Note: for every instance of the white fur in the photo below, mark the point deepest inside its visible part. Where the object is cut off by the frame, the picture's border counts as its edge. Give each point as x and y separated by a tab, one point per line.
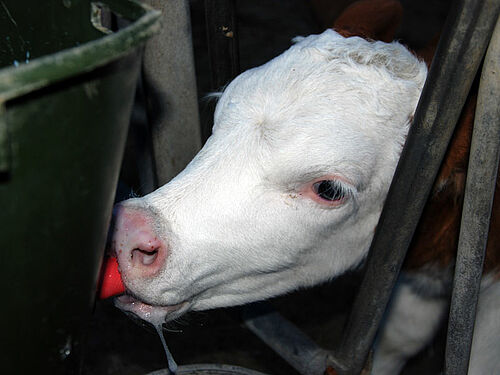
237	226
414	315
485	354
411	322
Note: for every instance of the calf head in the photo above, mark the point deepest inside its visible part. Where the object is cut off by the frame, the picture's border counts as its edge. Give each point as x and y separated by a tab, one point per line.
288	189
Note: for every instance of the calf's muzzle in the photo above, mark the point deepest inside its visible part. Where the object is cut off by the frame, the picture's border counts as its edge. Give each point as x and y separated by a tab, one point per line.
139	250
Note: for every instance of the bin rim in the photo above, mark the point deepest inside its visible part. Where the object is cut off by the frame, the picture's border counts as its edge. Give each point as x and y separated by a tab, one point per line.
45	70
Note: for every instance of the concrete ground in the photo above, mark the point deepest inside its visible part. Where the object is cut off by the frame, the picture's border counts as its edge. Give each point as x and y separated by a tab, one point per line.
117	345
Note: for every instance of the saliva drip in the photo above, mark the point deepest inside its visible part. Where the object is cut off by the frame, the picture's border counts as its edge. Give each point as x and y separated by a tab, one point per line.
172	366
154	316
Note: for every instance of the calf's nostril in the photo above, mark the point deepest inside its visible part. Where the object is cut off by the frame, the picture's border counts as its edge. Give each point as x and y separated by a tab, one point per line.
140	252
144	257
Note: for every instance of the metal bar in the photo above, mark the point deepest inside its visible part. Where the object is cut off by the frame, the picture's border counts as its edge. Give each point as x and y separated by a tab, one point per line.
285	339
478	201
222	41
5	151
223	53
170	90
469	27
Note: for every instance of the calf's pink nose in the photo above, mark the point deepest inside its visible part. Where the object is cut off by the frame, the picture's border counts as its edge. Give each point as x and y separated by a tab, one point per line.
139	251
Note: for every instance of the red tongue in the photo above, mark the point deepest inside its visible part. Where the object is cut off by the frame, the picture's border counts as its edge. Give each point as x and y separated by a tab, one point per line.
112	283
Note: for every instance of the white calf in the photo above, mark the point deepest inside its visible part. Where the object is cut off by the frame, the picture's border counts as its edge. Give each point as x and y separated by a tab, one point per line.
287	191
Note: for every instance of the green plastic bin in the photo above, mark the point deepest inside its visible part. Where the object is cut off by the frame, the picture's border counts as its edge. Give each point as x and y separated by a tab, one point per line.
66	91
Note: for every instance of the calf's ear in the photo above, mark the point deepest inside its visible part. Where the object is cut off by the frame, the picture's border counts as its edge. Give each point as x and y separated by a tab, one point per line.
370	19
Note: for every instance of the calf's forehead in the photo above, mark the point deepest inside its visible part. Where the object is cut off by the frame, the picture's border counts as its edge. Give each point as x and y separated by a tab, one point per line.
324	80
289	89
343	101
310	132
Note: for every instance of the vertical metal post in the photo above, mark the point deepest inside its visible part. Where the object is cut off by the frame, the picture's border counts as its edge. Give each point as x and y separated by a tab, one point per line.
170	90
479	191
5	152
222	37
223	53
455	64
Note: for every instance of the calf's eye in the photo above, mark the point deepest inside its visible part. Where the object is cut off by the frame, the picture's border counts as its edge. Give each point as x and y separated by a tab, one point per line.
329	190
